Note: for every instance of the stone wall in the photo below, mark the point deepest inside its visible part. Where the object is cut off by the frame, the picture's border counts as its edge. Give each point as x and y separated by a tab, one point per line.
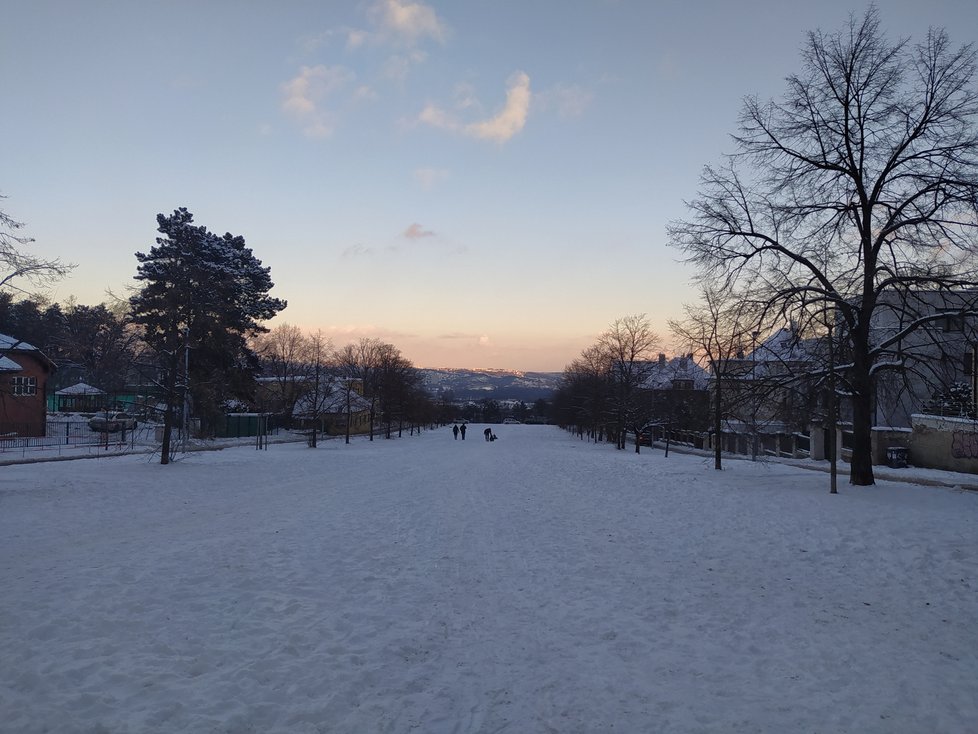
944	443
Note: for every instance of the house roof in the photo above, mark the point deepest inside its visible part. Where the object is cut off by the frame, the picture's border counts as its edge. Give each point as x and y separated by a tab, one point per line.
13	345
784	345
80	389
333	402
665	371
8	365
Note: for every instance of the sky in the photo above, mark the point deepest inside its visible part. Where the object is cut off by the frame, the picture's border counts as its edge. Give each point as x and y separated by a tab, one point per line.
482	184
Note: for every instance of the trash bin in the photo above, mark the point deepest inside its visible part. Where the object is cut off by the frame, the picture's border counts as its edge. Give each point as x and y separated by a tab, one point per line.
896	457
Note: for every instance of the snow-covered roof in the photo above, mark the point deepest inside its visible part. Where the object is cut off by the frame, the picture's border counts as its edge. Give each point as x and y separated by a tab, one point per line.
665	372
334	402
9	342
785	345
8	365
80	389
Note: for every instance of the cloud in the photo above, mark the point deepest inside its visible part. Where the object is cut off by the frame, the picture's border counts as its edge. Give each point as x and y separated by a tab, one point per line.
417	232
355	38
409	21
511	119
501	127
399	66
428	178
357	250
437	117
305	94
480	339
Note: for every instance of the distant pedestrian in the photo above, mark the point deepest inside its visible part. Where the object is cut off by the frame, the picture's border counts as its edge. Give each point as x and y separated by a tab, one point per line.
488	434
462	429
455	431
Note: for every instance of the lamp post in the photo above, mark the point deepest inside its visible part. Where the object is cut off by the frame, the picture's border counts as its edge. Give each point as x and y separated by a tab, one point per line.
185	420
753	385
974	379
833	465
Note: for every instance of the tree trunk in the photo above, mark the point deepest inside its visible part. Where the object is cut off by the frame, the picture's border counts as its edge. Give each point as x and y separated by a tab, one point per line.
171	384
861	468
167	431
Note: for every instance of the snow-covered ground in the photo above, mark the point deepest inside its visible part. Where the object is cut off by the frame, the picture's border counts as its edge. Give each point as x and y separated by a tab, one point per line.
532	584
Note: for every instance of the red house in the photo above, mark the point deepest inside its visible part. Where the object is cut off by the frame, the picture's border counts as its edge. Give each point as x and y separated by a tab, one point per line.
24	374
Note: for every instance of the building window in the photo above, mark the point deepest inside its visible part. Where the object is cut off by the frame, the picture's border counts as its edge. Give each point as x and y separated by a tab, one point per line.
23	386
952	321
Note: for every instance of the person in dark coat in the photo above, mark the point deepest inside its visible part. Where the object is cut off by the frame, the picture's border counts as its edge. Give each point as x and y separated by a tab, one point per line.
487	433
462	429
455	431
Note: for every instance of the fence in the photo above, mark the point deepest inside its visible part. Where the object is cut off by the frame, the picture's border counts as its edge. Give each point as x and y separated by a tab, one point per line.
76	433
788	445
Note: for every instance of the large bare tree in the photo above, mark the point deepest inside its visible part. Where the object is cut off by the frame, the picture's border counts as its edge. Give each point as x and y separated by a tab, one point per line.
854	192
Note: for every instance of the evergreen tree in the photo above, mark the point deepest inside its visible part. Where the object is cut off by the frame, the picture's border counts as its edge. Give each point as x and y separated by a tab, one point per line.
202	297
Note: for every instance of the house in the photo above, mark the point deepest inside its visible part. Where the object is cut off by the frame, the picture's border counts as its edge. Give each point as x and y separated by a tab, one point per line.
24	372
676	373
936	357
675	392
329	415
767	390
80	397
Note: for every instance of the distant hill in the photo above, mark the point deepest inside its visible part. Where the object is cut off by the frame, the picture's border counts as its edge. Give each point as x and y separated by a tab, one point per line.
478	385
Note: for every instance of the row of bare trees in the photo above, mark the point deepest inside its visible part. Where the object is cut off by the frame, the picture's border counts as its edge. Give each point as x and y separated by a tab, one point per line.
601	392
313	379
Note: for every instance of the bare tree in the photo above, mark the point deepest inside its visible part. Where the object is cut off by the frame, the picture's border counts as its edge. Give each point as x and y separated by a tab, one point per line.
396	380
630	345
360	363
285	354
581	402
872	156
716	330
318	395
16	264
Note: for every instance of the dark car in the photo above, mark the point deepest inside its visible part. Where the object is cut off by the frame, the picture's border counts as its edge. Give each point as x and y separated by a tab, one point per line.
112	422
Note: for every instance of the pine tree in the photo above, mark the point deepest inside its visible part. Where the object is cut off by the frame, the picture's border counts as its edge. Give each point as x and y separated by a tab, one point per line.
203	296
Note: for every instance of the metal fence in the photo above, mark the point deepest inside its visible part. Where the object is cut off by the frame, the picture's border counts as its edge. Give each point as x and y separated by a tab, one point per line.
77	433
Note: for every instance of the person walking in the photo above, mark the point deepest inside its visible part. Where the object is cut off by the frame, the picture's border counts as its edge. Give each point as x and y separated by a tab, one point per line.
455	431
462	430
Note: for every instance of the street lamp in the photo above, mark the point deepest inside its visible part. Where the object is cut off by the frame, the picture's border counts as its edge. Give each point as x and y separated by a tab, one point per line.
753	380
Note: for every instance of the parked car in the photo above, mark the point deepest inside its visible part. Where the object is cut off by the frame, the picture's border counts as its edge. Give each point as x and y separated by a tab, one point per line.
511	422
112	422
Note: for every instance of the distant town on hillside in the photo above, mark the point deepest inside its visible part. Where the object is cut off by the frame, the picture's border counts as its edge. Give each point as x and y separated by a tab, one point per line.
475	385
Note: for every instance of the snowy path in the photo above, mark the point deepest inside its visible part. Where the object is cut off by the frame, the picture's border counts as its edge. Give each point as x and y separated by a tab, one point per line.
535	584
